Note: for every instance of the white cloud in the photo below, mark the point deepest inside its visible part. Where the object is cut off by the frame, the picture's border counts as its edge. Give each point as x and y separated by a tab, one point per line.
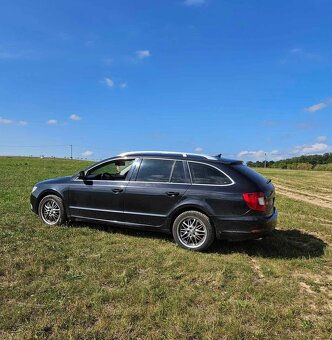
199	149
52	122
143	54
306	149
87	153
123	85
310	149
321	139
194	2
109	82
259	155
5	121
319	106
251	154
75	117
22	123
316	107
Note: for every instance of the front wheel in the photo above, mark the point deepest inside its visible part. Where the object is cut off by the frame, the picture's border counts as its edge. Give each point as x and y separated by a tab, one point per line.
51	210
192	230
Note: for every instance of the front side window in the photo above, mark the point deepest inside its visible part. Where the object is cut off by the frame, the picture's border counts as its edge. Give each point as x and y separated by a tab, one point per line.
205	174
115	170
155	170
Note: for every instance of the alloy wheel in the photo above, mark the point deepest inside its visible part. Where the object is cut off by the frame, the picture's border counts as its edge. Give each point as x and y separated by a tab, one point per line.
192	232
50	212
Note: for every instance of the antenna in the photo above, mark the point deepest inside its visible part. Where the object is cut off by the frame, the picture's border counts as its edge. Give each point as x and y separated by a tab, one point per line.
219	155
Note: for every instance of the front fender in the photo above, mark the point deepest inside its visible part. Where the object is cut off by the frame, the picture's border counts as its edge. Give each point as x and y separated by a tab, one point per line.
40	193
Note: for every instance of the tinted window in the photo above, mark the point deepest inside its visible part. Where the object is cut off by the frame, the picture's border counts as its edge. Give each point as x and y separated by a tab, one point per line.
115	170
178	174
155	170
251	174
205	174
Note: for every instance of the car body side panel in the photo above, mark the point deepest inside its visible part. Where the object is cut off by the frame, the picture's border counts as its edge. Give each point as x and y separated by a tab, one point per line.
151	203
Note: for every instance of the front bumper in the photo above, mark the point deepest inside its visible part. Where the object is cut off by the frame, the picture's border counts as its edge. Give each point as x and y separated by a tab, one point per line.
245	227
34	203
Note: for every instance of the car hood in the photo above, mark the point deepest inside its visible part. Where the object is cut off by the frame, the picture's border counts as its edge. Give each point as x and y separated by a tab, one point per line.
58	180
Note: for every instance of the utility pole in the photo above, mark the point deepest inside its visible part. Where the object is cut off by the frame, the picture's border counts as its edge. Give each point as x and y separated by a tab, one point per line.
71	151
265	161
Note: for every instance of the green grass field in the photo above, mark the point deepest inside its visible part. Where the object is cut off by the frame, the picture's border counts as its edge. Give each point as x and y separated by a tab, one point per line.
85	281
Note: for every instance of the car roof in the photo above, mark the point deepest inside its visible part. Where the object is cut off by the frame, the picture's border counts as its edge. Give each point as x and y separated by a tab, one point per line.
179	155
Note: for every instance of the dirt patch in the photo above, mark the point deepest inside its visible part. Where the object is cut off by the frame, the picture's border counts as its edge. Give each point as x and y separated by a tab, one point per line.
322	282
304	197
306	288
257	269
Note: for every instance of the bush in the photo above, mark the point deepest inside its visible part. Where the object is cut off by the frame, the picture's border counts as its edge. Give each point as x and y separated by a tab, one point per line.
323	167
304	166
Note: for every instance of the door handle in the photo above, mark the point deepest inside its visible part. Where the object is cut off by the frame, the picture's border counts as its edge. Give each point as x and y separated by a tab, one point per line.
117	190
172	193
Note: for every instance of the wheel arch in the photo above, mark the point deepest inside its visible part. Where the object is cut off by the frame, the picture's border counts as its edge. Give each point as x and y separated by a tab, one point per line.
51	192
187	207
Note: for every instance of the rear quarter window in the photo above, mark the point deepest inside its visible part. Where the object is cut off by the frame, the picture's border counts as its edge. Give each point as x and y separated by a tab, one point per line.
251	174
206	174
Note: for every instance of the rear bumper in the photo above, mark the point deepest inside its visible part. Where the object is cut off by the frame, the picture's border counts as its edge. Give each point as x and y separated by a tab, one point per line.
245	227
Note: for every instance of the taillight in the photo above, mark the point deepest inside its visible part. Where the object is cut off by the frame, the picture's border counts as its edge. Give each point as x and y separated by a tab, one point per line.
255	200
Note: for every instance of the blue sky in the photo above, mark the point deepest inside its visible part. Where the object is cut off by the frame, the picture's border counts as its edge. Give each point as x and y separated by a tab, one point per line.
242	78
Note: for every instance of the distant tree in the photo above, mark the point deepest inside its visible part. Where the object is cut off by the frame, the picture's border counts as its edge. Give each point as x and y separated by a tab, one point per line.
305	162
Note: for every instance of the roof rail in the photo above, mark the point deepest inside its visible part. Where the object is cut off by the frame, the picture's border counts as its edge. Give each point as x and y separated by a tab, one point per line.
183	154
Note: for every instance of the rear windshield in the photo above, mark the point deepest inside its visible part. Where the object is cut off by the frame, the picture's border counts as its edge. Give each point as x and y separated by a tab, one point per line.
251	174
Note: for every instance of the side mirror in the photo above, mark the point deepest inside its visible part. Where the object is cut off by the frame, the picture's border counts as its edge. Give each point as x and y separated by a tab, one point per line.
81	175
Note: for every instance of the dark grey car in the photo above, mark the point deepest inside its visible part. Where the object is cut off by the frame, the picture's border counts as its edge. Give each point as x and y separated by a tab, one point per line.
197	198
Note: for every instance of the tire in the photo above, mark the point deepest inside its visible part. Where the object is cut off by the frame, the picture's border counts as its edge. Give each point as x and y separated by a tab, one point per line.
192	230
51	210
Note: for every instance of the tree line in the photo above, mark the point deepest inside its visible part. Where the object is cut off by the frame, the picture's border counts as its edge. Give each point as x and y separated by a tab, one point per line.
309	162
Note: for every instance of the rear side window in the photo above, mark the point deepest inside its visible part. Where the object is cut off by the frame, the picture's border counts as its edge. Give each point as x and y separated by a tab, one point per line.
206	174
178	174
155	170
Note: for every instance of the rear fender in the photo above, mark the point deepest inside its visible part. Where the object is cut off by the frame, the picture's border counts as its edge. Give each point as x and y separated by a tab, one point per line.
186	206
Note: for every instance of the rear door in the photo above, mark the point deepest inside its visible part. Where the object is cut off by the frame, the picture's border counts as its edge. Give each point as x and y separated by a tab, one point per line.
157	187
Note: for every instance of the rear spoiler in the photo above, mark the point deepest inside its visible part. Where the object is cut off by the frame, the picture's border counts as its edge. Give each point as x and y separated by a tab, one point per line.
231	161
227	160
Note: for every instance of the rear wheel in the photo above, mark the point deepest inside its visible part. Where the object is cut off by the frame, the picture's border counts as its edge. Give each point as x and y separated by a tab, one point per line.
193	230
51	210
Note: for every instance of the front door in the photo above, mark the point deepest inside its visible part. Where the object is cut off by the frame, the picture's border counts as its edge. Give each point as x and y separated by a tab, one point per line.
100	195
